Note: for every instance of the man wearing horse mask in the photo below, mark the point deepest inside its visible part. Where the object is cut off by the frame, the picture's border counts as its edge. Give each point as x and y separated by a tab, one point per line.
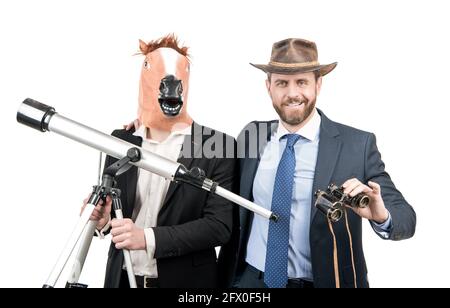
170	229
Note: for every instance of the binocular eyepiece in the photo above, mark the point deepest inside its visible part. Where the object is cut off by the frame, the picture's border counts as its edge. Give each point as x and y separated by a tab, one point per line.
331	202
332	209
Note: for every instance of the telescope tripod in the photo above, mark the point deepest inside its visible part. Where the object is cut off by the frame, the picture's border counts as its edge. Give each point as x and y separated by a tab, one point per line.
85	228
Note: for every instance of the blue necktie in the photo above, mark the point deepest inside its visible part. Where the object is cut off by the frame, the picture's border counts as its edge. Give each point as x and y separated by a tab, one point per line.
275	274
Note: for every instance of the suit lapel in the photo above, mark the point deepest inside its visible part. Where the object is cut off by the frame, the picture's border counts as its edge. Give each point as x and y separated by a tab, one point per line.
248	172
329	149
191	148
250	165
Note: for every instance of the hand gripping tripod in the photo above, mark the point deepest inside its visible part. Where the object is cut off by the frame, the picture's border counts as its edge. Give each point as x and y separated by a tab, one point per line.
85	229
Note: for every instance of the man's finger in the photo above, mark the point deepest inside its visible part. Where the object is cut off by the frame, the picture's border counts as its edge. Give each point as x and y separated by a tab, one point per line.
95	217
362	212
375	187
360	189
116	223
116	231
349	181
128	126
100	209
123	244
120	238
85	201
351	185
97	214
82	209
119	246
120	230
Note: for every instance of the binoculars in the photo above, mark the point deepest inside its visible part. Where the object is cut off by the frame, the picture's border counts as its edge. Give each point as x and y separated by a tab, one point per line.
332	201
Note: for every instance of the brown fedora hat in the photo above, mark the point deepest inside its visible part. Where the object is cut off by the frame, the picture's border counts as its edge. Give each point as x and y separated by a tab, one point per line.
293	56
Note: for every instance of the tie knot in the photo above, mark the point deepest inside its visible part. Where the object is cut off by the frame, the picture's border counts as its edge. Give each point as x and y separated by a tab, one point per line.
292	139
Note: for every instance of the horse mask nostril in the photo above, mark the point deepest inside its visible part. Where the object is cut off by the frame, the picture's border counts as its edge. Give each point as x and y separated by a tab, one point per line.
171	86
163	88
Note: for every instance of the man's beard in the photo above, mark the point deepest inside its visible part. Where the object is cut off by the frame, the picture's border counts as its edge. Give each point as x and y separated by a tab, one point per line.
298	117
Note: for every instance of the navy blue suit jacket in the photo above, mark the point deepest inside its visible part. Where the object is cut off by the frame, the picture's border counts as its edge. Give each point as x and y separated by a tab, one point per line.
344	153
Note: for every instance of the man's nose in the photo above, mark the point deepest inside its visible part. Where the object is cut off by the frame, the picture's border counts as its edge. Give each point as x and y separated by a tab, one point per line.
293	91
170	86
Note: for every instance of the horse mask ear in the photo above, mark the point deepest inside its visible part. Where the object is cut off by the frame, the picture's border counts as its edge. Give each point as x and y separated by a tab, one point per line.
143	47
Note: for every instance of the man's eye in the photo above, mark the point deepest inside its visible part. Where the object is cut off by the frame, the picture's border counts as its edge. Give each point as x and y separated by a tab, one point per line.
281	83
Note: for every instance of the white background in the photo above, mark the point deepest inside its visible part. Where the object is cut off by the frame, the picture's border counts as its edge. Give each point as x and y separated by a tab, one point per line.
77	56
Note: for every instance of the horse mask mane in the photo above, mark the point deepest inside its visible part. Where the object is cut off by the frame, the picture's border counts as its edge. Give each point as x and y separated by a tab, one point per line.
164	85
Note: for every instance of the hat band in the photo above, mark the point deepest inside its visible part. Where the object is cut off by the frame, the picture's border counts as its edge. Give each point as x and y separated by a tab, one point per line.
303	64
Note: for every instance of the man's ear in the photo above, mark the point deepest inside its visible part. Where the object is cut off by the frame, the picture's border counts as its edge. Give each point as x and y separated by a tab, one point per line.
318	85
268	85
143	47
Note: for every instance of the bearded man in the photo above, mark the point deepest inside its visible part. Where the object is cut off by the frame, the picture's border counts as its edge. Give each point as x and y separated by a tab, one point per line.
284	162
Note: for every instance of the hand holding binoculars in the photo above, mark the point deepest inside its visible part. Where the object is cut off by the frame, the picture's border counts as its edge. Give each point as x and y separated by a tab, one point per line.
332	201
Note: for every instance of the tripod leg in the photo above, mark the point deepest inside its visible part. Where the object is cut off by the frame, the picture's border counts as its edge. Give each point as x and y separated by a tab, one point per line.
70	246
126	253
86	240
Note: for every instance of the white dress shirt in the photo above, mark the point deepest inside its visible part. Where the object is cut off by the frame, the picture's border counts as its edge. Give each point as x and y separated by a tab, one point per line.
306	149
150	195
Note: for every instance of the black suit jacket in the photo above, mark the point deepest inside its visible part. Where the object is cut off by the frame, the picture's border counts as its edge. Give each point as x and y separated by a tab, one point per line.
344	153
191	221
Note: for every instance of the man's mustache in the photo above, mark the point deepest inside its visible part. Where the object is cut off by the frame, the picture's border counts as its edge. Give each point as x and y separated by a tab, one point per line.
294	101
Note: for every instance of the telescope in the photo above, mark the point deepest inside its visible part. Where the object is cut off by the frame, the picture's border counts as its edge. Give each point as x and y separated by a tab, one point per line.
44	118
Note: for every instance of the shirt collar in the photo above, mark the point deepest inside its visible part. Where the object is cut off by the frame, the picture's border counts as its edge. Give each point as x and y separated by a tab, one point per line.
142	132
309	131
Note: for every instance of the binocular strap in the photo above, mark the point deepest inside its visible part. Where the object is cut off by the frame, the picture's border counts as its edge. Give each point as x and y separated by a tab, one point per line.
335	251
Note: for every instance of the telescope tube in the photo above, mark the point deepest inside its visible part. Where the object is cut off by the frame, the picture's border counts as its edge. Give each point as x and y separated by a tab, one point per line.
44	118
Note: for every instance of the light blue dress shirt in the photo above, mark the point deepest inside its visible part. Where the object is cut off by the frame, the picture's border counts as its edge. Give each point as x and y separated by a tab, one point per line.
306	150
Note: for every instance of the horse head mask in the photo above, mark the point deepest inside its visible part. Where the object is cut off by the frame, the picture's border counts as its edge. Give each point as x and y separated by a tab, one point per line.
164	84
